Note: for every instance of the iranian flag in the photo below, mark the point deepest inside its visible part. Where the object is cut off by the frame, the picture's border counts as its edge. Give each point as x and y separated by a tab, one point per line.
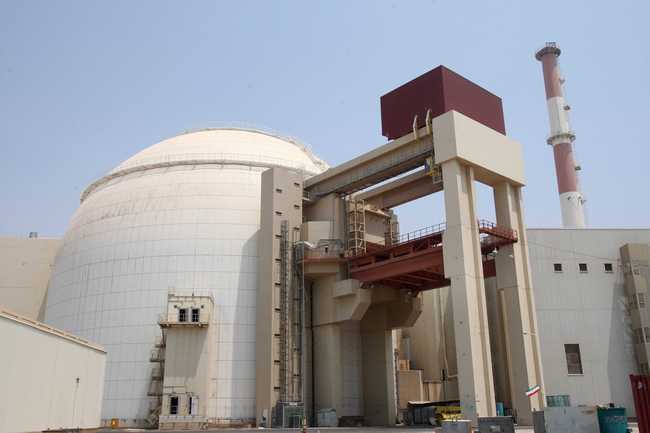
533	390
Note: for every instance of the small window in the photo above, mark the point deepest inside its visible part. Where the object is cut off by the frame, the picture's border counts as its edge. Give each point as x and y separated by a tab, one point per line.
638	336
173	405
278	213
278	190
182	315
641	298
582	267
646	330
557	267
195	315
573	360
296	184
295	206
609	268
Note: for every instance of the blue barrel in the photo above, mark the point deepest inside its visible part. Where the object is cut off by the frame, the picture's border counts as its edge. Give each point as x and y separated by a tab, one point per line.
612	420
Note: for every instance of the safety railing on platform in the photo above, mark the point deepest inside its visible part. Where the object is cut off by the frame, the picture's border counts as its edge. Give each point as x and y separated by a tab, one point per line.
496	230
420	233
492	233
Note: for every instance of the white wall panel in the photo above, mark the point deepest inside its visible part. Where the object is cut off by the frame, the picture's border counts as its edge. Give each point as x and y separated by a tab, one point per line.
588	309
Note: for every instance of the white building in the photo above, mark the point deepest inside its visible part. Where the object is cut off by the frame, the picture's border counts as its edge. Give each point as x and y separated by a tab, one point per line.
182	214
585	317
25	268
50	379
583	312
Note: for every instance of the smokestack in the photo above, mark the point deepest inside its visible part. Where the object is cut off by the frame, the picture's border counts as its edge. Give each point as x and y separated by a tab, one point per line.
561	138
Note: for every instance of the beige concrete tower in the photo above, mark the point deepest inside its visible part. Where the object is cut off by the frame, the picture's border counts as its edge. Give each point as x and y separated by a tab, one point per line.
469	151
360	279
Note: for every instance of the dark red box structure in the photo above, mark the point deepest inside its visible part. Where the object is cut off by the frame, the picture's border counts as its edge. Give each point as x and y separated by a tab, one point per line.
641	393
438	90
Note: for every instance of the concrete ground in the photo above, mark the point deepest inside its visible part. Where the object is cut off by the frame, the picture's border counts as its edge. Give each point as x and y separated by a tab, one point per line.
397	429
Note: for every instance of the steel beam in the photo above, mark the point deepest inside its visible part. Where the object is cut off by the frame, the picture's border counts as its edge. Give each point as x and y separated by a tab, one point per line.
403	190
392	159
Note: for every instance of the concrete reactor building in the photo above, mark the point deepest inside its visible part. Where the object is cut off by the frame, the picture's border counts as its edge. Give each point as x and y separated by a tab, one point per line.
230	277
181	217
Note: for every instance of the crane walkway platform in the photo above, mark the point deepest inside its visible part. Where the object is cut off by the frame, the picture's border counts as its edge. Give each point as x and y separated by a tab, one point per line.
414	260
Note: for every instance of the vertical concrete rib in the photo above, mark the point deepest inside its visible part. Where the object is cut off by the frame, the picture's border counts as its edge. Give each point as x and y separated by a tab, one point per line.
463	266
514	285
561	138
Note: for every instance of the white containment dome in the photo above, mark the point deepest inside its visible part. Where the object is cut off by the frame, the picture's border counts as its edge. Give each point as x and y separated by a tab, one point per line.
181	216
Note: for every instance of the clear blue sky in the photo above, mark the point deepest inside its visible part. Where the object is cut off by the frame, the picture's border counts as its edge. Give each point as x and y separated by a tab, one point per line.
84	85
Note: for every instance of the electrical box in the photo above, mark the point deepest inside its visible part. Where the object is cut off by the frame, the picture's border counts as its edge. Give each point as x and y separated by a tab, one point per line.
457	426
496	424
581	419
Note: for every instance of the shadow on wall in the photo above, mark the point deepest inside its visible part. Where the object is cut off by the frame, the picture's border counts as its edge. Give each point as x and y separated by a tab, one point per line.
620	348
235	385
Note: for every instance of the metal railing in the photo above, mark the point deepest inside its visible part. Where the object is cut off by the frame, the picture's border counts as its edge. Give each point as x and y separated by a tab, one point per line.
420	233
164	319
492	232
496	230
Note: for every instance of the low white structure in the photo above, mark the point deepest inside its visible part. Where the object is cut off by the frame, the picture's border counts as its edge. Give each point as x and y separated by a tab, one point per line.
26	265
50	379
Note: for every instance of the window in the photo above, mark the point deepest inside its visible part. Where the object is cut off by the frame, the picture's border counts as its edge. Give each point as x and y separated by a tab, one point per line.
638	336
278	190
182	315
644	368
195	315
278	213
190	400
609	268
573	361
173	405
647	334
582	267
641	298
557	267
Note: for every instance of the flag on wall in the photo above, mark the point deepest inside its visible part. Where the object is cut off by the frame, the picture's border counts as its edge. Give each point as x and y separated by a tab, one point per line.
533	390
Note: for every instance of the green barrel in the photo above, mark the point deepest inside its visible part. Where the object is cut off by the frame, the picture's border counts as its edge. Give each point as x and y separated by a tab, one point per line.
612	420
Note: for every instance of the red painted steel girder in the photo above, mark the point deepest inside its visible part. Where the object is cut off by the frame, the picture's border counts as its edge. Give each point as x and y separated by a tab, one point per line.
416	262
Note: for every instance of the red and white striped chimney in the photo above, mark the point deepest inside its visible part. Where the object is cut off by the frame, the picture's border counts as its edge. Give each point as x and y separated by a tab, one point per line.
561	138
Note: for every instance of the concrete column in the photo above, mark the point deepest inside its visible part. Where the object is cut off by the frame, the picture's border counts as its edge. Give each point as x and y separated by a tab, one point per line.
378	368
515	295
328	376
463	266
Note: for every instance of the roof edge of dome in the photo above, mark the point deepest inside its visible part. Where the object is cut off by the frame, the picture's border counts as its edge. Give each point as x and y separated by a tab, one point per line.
232	126
119	172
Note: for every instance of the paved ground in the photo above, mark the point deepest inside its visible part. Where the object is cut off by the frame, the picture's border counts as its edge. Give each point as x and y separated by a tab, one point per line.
399	429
